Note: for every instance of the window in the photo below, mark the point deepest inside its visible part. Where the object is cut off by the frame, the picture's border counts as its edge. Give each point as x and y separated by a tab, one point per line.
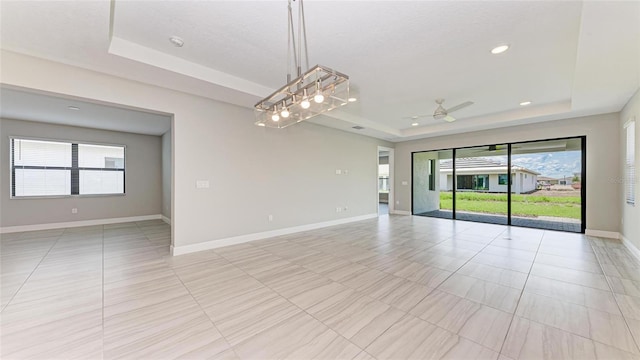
472	182
502	179
56	168
630	166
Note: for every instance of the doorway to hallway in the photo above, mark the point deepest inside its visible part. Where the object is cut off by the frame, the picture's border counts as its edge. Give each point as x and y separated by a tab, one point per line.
385	181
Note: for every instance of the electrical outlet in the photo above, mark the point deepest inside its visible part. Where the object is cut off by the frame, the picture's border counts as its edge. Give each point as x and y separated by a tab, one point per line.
338	209
270	218
405	183
74	210
345	208
338	172
202	184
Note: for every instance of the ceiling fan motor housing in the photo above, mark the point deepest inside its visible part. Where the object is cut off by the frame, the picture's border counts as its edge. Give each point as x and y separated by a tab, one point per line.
440	113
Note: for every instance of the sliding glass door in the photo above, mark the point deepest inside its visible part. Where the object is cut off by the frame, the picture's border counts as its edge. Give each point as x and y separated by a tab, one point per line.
547	191
537	184
480	187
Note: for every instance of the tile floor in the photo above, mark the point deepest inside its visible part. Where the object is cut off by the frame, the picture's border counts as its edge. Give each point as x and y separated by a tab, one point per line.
397	287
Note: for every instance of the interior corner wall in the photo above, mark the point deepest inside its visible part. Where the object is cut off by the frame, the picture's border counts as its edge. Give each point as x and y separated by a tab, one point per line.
603	160
166	174
630	214
253	172
142	178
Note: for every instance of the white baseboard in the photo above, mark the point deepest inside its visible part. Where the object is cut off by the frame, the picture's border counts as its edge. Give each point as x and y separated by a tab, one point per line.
61	225
400	212
630	246
213	244
603	234
166	219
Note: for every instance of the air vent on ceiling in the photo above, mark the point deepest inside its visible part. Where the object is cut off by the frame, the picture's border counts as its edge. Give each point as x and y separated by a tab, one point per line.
358	127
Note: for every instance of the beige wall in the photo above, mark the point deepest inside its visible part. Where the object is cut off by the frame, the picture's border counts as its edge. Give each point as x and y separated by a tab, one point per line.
603	165
143	178
253	172
630	228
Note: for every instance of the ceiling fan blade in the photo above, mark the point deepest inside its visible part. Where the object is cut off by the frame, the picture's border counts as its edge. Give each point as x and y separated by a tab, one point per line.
449	118
461	106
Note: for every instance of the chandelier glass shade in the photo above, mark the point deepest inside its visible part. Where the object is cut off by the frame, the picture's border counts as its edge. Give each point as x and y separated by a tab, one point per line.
316	91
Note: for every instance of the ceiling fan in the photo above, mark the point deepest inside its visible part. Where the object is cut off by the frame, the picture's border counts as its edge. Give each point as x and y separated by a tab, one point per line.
442	113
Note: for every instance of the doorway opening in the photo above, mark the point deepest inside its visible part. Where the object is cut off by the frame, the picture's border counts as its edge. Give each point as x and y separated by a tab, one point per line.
385	181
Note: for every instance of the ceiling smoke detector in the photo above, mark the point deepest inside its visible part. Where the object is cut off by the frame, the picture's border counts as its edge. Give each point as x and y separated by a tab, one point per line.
176	41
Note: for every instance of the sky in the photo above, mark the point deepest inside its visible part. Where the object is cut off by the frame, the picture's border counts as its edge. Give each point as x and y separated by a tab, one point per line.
556	165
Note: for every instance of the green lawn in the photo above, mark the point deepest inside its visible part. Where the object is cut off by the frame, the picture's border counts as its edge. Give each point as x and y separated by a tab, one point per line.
522	205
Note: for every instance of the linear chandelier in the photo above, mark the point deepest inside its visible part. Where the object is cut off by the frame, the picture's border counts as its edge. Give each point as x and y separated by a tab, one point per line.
318	90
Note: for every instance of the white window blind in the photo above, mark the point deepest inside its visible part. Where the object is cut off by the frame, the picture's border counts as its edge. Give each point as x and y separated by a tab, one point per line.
630	167
98	169
57	168
41	168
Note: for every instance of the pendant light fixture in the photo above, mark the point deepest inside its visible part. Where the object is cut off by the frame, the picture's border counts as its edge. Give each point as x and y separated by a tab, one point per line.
318	90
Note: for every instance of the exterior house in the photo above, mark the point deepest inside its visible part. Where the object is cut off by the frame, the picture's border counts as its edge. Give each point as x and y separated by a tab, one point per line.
545	180
479	174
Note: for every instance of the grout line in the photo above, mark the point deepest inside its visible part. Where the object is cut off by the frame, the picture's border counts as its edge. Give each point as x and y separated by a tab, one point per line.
190	294
460	267
33	271
406	313
606	277
286	298
522	292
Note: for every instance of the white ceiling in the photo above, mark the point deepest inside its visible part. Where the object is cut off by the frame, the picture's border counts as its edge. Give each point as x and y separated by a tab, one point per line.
30	106
568	58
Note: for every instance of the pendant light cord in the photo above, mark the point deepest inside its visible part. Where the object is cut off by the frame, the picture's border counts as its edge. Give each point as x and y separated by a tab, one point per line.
304	34
291	45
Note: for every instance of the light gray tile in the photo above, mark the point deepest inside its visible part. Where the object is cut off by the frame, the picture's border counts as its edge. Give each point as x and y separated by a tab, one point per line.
569	275
493	274
476	322
531	340
497	296
577	294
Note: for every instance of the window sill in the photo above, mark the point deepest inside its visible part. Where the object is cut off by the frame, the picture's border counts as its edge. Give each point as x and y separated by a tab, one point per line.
62	196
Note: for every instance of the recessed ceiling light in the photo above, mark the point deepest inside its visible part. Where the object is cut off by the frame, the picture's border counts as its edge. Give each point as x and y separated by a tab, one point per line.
415	124
525	103
414	117
176	41
353	99
261	124
74	108
499	49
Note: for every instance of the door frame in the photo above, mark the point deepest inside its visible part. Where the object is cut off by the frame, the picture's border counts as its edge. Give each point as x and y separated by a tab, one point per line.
391	201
